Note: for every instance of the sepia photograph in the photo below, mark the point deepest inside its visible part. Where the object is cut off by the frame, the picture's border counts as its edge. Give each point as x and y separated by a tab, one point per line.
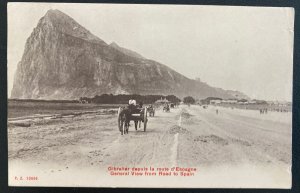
151	96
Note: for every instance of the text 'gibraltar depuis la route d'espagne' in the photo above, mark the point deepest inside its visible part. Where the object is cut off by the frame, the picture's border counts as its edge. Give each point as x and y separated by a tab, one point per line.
151	171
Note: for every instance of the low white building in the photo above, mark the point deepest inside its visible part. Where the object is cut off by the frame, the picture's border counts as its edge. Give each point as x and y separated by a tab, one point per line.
252	102
230	101
215	101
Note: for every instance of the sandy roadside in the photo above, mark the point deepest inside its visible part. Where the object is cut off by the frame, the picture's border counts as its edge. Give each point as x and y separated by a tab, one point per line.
230	149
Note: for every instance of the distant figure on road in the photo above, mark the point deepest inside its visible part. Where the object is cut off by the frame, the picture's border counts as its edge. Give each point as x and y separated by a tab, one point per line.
166	108
217	111
263	111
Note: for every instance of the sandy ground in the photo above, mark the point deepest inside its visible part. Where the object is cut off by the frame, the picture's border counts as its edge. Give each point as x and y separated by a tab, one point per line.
234	148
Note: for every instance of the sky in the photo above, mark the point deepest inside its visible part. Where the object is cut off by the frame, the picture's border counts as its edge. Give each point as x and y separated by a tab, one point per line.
249	49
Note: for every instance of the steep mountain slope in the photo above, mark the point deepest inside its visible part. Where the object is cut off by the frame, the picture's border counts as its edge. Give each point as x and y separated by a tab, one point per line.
63	60
126	51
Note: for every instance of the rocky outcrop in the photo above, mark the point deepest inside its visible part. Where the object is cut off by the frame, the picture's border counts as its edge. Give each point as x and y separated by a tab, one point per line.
63	60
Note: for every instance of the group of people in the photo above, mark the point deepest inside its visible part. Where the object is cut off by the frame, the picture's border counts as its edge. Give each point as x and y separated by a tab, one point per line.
263	111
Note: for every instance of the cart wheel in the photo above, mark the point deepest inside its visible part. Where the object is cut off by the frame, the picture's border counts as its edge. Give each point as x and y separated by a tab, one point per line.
119	110
120	124
145	119
119	120
123	129
126	128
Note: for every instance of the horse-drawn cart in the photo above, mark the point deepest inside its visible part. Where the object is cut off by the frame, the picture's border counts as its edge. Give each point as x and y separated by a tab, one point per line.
166	108
125	115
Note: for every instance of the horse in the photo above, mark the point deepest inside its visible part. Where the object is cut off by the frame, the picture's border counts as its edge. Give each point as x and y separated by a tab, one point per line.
124	120
125	116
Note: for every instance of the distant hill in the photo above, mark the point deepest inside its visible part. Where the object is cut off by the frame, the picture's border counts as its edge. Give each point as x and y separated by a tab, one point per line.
63	60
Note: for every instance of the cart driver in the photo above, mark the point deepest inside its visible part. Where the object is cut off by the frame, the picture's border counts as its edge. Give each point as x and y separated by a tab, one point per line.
132	106
132	102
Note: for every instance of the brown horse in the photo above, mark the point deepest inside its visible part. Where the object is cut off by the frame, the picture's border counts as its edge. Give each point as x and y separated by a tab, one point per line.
125	117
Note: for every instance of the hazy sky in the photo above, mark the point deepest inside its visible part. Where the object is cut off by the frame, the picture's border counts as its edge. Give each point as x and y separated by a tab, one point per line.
249	49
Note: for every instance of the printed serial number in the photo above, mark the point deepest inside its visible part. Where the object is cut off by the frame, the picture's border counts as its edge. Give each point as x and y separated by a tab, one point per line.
26	178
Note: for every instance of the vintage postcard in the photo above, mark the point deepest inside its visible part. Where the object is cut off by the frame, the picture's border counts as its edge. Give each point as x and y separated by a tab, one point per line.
126	95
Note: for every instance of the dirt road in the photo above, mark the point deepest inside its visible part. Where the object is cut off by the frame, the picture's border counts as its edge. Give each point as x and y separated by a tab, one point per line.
185	137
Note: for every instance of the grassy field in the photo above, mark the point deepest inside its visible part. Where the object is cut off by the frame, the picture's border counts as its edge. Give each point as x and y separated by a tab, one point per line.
28	108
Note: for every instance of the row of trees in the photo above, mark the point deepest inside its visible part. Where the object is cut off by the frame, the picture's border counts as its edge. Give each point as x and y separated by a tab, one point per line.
123	99
189	100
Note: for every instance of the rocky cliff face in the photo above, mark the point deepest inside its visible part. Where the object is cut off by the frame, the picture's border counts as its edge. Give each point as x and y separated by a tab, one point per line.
63	60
